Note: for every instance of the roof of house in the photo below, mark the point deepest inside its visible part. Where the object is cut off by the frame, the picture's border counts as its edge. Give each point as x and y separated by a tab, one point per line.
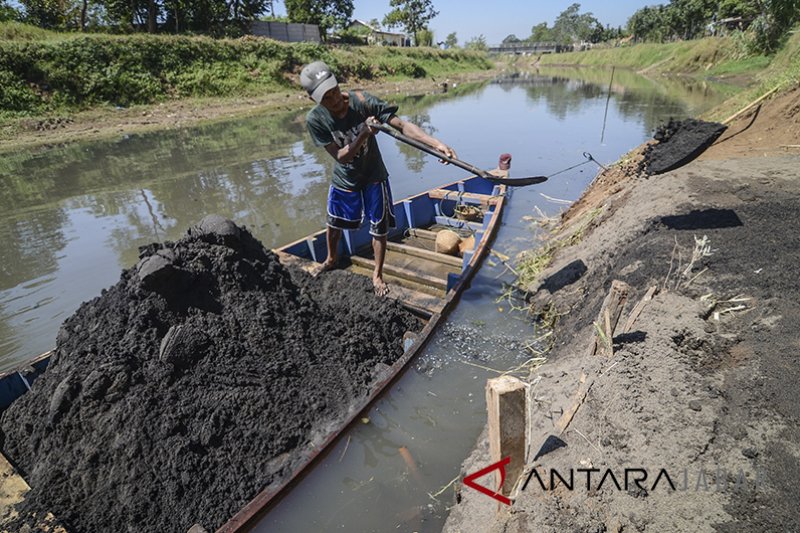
375	30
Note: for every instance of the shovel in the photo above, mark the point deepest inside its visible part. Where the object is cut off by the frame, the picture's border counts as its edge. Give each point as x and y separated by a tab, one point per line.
511	182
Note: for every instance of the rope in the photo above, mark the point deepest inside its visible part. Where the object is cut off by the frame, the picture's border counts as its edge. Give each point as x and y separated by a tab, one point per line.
589	159
589	156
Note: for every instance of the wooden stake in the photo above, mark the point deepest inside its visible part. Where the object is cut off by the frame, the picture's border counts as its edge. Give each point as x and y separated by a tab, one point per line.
506	399
609	315
578	399
637	310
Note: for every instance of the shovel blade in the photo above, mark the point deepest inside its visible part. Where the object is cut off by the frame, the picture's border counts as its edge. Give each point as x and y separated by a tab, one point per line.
517	182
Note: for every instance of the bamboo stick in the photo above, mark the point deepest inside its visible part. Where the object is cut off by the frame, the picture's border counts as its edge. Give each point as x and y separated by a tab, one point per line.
750	105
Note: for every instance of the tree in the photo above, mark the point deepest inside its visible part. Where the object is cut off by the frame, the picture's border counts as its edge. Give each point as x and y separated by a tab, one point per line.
451	41
411	15
511	39
7	12
54	14
646	24
327	14
476	43
571	25
541	33
772	26
738	8
424	37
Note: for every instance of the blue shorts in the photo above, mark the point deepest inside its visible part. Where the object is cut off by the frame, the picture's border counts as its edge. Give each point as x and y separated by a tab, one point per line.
347	209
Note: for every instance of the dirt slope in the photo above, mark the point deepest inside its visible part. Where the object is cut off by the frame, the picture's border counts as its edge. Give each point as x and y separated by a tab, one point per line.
703	385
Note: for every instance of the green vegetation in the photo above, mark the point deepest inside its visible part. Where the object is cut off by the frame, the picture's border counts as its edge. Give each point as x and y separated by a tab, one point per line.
531	263
690	19
476	43
411	15
324	13
42	71
17	31
711	56
783	72
571	26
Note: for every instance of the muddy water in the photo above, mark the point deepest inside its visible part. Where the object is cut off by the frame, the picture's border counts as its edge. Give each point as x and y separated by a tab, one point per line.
71	218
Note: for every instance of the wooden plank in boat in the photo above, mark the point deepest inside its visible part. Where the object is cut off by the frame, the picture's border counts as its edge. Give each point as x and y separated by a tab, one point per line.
287	259
420	265
417	242
464	197
422	233
419	277
12	491
425	254
457	223
416	300
394	280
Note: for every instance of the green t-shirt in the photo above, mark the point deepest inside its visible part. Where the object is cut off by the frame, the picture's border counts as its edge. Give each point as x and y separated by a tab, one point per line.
367	167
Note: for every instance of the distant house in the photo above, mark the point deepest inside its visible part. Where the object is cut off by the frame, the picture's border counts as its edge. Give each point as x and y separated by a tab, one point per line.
724	26
376	36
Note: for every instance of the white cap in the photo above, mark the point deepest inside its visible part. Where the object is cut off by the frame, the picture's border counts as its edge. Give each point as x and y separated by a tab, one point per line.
317	79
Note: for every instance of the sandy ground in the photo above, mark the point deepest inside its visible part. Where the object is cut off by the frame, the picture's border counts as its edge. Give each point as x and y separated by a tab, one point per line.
104	122
702	385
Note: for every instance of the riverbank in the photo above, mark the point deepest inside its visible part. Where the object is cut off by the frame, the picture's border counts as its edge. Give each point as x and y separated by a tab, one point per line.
700	385
718	59
60	87
714	59
105	122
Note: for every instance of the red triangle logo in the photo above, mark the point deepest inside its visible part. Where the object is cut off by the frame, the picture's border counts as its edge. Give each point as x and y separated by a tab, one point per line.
500	465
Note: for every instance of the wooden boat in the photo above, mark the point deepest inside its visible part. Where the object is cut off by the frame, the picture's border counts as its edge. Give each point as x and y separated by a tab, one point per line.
421	278
425	281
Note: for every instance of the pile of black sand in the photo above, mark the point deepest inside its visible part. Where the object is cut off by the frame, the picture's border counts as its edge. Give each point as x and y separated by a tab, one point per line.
679	141
194	383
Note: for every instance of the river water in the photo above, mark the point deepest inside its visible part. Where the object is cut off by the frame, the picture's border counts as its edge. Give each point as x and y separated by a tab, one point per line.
72	217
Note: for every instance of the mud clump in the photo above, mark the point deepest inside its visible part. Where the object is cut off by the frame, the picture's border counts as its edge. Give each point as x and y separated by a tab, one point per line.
679	141
195	382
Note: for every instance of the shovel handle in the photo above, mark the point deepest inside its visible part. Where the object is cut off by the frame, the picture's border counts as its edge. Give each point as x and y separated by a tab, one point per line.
425	148
510	182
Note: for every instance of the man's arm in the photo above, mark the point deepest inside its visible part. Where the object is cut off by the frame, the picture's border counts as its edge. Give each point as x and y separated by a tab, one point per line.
348	152
415	132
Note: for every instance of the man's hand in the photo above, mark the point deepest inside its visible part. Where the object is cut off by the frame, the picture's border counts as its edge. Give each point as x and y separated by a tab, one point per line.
446	150
369	124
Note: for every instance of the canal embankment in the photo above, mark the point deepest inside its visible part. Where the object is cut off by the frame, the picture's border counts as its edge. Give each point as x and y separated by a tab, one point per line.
63	87
697	379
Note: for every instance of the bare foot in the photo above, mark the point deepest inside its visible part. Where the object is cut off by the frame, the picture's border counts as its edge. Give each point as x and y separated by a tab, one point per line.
380	287
324	267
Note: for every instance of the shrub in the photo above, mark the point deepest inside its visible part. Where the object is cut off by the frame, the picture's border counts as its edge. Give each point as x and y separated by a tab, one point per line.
81	70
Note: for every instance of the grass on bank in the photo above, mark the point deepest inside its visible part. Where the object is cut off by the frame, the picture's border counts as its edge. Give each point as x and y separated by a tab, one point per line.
17	31
783	72
712	57
709	57
42	71
532	263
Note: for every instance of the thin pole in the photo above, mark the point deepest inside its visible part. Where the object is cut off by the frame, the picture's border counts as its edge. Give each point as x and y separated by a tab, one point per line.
605	115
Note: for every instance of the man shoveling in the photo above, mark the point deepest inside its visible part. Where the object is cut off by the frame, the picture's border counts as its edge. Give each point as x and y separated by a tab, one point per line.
359	189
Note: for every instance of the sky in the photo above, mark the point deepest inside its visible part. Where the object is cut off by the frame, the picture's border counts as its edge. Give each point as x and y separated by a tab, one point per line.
496	19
